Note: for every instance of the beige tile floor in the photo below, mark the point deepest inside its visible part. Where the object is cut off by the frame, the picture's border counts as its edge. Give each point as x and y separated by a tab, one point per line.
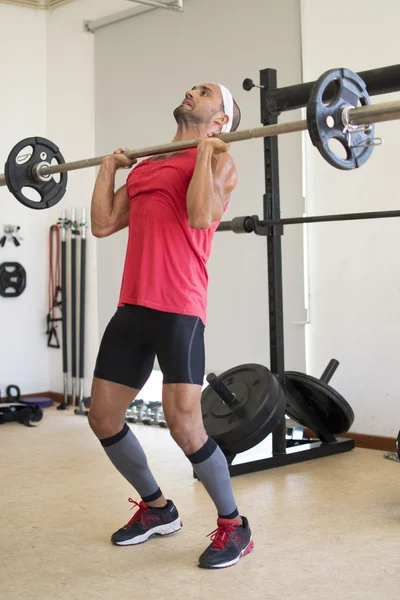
329	528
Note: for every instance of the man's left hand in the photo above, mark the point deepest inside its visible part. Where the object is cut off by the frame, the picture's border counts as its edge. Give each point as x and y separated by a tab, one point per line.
217	145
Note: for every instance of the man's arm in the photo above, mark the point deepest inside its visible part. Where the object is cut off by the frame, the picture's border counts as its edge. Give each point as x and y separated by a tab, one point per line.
213	181
109	210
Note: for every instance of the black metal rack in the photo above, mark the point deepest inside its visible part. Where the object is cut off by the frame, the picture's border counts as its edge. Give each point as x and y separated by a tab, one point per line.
273	102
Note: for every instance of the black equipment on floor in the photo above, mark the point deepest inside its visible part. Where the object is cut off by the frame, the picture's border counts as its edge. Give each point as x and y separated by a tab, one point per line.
22	413
16	410
317	406
242	406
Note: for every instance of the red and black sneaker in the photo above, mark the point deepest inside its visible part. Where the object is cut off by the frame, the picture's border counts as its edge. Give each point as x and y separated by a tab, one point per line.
146	522
230	541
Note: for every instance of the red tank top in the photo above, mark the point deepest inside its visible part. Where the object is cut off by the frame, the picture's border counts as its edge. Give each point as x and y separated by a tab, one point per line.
165	264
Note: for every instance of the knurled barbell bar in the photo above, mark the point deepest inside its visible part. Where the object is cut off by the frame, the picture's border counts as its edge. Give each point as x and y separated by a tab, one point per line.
340	118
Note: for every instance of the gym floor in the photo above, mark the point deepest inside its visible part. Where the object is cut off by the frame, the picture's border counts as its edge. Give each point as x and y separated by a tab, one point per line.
327	528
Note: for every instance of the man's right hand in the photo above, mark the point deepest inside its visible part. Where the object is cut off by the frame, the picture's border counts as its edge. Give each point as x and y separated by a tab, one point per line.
120	160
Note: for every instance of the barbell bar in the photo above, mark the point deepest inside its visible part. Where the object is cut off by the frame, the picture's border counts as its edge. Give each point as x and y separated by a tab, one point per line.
236	136
363	115
348	117
250	224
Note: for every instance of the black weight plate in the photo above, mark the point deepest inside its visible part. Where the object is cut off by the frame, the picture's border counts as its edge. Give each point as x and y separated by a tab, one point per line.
332	92
37	414
331	407
398	445
19	174
12	279
264	429
261	404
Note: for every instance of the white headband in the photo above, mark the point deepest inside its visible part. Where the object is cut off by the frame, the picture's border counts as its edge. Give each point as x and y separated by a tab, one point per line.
227	99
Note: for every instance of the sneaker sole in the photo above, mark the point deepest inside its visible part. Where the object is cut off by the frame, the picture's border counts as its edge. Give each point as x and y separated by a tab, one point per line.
230	563
166	529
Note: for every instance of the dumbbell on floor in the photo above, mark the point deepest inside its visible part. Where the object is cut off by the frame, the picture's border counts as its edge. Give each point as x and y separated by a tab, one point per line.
149	417
136	411
150	413
159	417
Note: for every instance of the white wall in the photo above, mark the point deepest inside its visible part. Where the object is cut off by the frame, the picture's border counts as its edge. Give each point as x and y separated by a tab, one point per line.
155	57
23	103
52	96
355	266
70	120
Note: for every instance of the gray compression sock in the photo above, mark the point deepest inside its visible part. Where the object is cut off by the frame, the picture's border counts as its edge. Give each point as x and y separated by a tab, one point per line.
211	467
127	455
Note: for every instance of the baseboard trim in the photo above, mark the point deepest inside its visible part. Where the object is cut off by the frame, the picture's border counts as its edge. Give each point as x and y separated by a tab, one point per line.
59	398
55	396
373	442
363	440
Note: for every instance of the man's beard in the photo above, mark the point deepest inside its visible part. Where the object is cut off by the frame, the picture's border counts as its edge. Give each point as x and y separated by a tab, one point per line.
183	116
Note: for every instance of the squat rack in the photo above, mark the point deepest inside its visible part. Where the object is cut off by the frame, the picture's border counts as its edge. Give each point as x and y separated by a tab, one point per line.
274	101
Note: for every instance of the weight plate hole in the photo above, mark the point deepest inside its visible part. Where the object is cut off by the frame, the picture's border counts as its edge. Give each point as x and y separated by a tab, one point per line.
331	93
330	121
31	194
24	155
338	148
56	176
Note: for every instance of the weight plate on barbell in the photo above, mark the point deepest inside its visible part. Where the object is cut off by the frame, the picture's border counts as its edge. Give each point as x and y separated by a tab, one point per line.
327	403
19	173
12	279
332	92
260	408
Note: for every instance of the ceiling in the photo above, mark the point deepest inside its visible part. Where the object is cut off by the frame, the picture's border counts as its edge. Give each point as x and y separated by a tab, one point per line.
36	3
91	10
96	8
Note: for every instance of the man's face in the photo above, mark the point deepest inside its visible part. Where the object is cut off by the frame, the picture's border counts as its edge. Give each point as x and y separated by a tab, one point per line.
200	104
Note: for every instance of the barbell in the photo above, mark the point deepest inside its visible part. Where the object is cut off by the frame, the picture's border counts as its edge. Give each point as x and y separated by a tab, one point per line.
347	117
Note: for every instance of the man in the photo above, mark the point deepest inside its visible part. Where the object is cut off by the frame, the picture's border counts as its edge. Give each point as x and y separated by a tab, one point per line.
172	204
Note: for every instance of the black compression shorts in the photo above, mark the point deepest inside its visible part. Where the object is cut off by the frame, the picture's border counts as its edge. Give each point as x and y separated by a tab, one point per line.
136	335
